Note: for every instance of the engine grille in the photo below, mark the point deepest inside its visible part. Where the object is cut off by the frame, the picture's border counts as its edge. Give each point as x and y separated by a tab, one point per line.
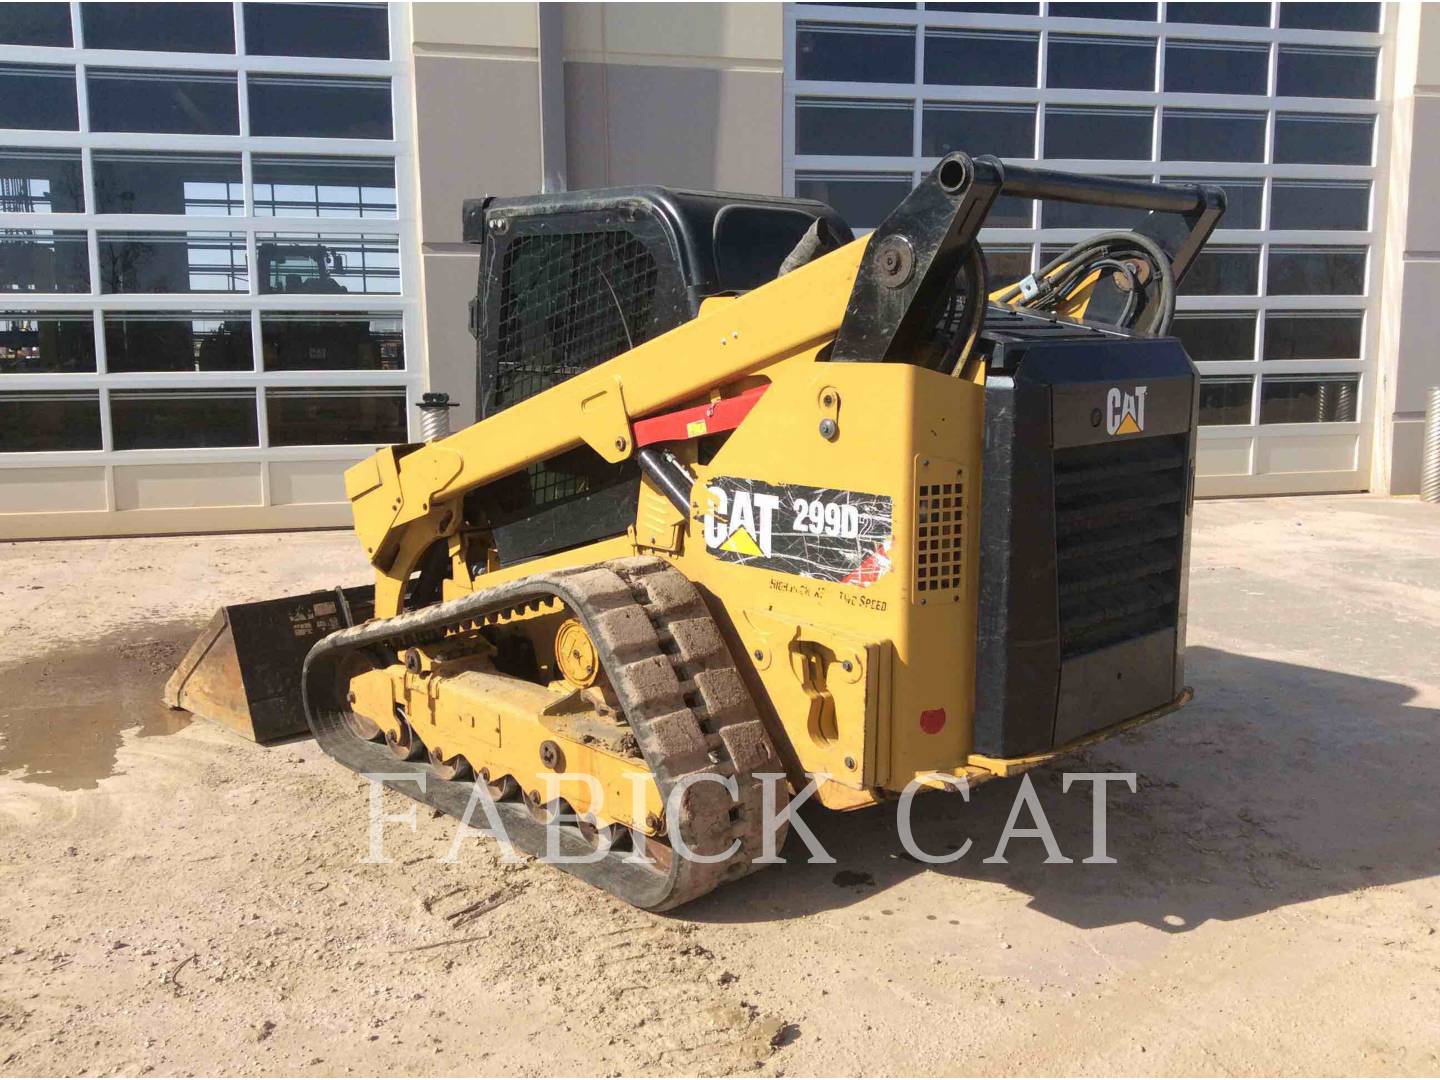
569	301
939	535
1120	517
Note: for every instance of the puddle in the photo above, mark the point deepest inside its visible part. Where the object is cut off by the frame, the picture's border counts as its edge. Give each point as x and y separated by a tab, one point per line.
64	715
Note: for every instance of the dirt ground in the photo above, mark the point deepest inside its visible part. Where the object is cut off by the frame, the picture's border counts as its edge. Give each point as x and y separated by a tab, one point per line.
176	900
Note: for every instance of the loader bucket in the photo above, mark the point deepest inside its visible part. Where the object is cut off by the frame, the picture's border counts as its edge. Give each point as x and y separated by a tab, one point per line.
243	670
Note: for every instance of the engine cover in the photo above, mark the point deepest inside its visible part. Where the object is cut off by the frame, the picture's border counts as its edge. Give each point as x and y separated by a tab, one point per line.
1085	523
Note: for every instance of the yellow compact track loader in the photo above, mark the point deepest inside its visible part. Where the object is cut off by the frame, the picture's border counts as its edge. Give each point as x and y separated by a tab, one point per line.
751	497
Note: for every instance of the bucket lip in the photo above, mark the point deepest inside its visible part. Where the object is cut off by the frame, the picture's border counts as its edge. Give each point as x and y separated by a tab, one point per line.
243	668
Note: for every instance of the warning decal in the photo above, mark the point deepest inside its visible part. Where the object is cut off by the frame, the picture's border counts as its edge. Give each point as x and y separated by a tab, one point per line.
828	534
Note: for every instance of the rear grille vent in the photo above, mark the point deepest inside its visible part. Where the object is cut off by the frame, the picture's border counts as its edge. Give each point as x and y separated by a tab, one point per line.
1119	517
939	535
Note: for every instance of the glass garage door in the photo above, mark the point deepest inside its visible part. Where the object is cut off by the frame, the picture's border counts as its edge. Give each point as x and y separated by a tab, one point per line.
206	268
1277	103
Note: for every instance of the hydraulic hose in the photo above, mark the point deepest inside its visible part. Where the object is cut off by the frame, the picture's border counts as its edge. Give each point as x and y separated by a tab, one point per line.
977	300
1105	251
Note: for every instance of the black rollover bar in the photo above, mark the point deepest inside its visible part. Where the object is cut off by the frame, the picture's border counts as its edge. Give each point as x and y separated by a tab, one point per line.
907	275
1027	183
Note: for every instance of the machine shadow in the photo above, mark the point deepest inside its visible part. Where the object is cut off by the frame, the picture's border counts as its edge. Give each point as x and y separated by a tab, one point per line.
1279	784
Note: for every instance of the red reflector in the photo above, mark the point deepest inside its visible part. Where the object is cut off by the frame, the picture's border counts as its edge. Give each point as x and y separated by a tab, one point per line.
932	720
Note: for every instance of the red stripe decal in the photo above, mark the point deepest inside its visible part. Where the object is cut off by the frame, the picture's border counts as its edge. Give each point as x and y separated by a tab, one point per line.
709	419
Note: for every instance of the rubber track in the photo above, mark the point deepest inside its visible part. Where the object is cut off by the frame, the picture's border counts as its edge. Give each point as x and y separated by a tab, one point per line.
686	704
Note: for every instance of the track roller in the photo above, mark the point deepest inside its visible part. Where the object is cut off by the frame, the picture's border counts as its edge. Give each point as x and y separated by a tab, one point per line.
455	768
401	740
503	788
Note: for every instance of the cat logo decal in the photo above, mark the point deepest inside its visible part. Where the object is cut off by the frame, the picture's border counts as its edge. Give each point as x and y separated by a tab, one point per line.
1125	413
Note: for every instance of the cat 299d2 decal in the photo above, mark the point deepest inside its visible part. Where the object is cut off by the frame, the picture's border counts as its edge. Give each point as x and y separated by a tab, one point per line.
828	534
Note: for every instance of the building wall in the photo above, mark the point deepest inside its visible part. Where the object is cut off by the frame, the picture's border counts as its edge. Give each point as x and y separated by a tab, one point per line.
482	102
154	377
1287	106
477	124
488	101
1410	314
686	95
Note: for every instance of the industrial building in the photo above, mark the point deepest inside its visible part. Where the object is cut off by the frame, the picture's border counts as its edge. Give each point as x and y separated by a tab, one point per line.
231	253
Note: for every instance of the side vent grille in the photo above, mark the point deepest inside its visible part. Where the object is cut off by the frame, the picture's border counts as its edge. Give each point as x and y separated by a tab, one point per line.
1120	519
939	528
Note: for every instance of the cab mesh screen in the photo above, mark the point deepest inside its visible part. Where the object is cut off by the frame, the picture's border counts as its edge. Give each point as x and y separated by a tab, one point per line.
568	302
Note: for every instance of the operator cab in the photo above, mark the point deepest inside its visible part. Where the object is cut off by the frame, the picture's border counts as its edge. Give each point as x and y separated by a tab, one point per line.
570	280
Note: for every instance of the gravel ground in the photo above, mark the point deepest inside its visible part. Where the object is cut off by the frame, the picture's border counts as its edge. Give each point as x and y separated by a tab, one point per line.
176	900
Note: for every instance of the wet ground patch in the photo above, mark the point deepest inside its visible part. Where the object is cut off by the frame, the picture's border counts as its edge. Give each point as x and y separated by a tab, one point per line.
64	714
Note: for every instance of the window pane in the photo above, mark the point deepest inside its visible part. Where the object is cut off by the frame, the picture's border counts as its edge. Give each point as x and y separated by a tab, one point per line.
320	107
1205	135
1313	139
303	264
43	261
169	27
1091	132
1100	63
981	58
332	341
178	341
1193	67
1305	399
987	9
1237	14
133	262
1008	212
1006	265
35	24
1220	271
1003	130
324	187
854	53
1320	204
862	200
41	182
1064	9
1313	335
194	184
1312	71
360	31
38	98
1216	335
1331	16
1316	271
38	420
164	102
1225	399
169	419
39	343
319	416
841	126
1242	198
